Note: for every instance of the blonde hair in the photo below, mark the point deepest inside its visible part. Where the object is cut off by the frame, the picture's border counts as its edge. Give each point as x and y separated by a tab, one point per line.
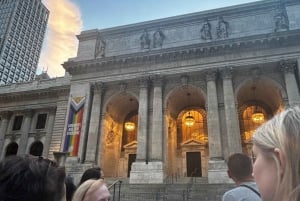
86	188
283	132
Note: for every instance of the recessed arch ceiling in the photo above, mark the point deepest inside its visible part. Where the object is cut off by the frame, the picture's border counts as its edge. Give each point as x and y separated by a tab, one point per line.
184	97
120	105
262	90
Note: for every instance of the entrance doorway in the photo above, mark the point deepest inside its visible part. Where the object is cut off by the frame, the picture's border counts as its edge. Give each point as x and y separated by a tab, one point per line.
131	159
193	164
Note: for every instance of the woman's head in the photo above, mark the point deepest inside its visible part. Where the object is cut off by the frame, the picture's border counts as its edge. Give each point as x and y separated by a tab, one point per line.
92	190
276	145
91	173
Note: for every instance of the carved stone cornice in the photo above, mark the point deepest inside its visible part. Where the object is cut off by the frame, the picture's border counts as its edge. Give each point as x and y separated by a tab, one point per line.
35	94
200	50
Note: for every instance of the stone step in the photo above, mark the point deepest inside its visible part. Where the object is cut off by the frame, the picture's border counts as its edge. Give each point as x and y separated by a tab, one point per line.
171	192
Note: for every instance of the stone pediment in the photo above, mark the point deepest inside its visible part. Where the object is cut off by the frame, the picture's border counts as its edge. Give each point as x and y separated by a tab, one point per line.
131	145
191	142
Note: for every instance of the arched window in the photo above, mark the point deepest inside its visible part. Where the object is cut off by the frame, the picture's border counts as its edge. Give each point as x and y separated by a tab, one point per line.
36	148
11	149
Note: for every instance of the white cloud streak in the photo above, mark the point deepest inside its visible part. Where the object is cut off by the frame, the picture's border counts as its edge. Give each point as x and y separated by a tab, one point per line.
60	42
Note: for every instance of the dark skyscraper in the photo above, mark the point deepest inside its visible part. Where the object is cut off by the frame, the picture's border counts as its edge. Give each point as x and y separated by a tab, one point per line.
22	29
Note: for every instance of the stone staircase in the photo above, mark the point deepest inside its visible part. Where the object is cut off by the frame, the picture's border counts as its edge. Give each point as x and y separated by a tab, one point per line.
184	189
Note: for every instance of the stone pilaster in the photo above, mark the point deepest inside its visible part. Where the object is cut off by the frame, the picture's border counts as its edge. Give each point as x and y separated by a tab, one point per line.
288	68
94	132
217	170
142	147
50	124
231	117
157	121
5	116
25	132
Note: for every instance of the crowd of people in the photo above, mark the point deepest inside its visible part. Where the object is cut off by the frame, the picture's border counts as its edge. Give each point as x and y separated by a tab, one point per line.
274	175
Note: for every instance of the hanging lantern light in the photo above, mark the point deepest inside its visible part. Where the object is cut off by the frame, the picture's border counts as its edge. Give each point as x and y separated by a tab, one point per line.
257	116
189	120
129	126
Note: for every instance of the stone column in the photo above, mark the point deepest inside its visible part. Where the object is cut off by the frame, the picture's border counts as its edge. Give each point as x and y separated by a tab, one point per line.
213	122
25	132
157	121
5	116
231	117
217	169
142	147
288	69
94	127
143	171
50	124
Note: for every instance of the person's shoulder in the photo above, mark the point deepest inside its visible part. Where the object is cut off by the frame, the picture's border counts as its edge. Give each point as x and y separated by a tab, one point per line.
231	195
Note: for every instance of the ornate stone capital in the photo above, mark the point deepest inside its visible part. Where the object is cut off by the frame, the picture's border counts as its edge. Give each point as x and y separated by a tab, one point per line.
144	82
98	86
211	75
157	80
226	72
5	114
287	66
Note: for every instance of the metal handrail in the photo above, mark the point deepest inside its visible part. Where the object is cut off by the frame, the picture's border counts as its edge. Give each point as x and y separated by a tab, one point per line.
114	191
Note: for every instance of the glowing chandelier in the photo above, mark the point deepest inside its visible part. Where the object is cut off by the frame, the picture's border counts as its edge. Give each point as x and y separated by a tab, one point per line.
129	126
189	120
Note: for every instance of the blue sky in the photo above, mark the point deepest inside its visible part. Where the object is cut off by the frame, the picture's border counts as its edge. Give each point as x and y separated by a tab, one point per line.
110	13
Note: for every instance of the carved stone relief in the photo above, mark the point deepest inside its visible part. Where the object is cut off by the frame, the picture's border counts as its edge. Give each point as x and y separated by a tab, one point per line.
222	28
206	31
100	47
145	40
281	19
158	38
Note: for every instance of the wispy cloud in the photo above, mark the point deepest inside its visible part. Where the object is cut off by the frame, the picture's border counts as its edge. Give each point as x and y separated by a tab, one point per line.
60	42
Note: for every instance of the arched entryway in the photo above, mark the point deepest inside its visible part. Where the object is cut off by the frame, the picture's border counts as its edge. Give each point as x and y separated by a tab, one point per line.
187	136
120	135
258	101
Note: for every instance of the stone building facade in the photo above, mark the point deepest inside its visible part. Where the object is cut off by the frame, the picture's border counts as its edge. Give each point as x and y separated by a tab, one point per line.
188	86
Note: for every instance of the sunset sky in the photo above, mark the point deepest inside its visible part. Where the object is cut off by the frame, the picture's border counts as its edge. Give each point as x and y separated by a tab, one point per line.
69	17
